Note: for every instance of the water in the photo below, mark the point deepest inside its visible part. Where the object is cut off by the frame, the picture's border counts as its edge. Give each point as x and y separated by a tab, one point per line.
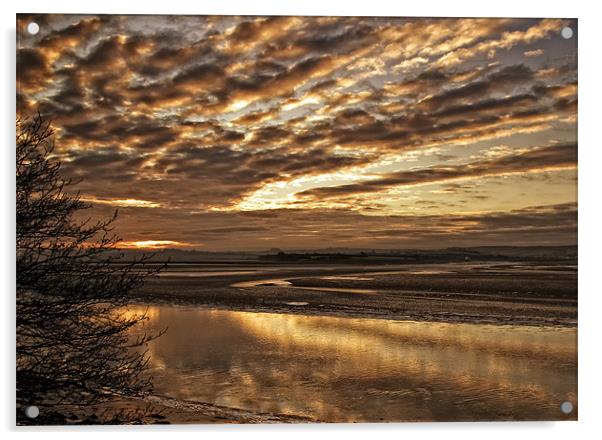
346	369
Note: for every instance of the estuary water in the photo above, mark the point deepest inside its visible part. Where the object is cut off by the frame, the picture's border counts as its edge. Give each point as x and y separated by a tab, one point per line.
341	369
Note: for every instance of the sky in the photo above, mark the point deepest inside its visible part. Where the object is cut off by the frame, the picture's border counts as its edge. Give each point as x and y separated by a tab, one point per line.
251	133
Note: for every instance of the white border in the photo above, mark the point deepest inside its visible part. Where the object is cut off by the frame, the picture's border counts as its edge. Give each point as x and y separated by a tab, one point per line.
590	246
429	8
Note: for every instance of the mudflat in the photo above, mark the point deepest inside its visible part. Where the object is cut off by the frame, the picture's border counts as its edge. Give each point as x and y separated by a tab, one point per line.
533	293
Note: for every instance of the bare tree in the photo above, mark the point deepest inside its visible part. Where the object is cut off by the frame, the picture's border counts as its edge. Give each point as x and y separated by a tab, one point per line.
74	337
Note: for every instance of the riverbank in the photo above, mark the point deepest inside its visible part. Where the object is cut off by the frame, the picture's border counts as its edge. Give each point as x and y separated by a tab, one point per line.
154	410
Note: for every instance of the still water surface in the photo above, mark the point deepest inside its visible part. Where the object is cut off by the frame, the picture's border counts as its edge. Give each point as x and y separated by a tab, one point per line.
346	369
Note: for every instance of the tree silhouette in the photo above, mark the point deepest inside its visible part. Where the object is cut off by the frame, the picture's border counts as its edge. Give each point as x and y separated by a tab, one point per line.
75	343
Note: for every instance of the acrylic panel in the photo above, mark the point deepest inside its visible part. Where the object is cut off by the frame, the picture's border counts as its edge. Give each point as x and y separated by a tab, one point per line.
295	219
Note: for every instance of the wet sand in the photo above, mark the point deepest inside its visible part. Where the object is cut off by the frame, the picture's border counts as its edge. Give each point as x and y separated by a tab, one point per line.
529	294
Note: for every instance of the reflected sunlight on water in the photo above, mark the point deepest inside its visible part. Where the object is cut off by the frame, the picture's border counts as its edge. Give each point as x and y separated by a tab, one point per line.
346	369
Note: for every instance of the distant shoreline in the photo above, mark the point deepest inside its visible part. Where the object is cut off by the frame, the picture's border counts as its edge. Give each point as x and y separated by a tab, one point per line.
563	253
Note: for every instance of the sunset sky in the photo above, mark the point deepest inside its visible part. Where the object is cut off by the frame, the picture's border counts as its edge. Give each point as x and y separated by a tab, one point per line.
251	133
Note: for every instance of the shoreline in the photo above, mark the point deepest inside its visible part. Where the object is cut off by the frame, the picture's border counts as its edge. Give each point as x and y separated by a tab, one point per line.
496	320
188	411
156	410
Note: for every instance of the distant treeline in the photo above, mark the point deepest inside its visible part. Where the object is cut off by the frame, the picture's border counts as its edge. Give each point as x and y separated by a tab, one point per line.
562	253
364	256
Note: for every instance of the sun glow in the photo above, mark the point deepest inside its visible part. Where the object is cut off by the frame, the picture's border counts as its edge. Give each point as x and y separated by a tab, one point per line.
151	244
300	103
280	195
136	203
238	105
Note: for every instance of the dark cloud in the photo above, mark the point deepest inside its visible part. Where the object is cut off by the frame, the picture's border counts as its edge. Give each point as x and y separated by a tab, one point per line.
72	35
226	164
256	28
95	167
202	76
33	69
492	104
354	117
302	229
504	79
535	159
104	54
141	132
322	42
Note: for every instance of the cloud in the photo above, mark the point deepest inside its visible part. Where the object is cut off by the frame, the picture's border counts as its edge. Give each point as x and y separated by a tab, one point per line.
200	114
319	229
536	159
507	40
533	53
123	202
34	72
503	80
